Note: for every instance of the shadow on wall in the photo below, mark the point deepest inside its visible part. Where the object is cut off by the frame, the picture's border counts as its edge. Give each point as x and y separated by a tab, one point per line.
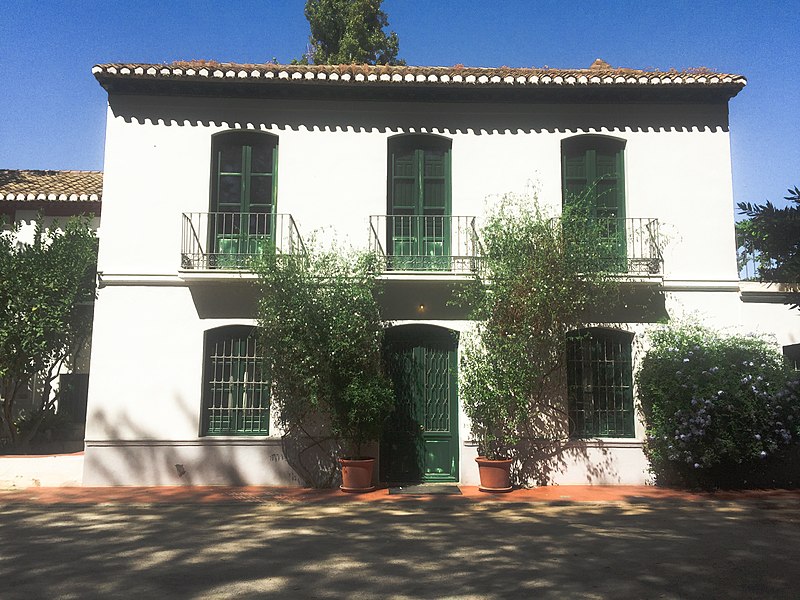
549	454
127	454
313	453
444	118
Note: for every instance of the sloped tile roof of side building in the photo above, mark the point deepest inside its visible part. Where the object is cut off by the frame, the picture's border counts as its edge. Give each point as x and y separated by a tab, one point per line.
599	80
51	191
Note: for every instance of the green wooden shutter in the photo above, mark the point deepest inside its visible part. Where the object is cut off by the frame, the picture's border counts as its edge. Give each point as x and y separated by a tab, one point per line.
403	203
575	172
434	205
419	204
243	196
593	168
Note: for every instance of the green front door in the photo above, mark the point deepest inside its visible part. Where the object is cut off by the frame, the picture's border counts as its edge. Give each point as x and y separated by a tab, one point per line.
420	442
418	221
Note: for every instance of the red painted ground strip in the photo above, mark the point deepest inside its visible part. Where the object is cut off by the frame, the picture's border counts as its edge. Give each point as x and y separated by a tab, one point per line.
567	494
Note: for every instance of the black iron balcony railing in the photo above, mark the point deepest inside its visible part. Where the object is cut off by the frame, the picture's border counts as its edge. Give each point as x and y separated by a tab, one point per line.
231	241
633	245
441	243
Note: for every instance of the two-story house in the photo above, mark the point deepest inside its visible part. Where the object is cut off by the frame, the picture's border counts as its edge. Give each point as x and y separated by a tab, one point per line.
207	163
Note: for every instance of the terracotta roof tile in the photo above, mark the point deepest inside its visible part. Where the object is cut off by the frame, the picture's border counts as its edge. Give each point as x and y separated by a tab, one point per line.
600	74
28	185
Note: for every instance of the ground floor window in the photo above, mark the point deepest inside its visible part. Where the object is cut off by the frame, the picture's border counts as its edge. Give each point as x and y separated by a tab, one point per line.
792	355
236	390
600	383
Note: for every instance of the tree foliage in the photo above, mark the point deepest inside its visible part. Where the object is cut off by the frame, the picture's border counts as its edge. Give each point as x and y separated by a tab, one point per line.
719	409
46	291
540	276
771	237
349	32
322	341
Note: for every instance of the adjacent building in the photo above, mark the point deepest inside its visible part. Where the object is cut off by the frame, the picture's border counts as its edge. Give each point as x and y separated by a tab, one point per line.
47	197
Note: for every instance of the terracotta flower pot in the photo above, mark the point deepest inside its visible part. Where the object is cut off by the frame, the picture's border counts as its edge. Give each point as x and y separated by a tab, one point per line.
495	474
357	474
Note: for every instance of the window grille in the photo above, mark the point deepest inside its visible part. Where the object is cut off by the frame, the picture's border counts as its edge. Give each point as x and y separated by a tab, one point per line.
600	383
236	391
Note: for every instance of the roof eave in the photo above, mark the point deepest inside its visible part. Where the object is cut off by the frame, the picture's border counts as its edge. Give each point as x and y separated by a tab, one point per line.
419	91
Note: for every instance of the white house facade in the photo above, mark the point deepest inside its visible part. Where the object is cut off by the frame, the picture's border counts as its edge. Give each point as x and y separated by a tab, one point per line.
205	163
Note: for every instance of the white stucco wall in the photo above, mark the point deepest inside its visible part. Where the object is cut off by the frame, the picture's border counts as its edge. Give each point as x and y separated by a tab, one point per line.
145	388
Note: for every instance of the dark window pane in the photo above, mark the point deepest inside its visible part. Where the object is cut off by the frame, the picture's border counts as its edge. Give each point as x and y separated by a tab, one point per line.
230	157
260	193
262	157
230	190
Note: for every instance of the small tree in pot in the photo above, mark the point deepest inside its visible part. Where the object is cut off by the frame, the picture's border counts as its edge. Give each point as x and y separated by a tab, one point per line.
540	275
322	338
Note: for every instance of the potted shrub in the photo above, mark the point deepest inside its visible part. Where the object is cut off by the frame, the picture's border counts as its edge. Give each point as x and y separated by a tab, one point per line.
322	337
496	412
540	274
359	413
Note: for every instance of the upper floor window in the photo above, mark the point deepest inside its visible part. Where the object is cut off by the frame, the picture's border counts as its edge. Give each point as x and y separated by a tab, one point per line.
235	385
600	383
592	170
419	202
243	195
244	164
592	166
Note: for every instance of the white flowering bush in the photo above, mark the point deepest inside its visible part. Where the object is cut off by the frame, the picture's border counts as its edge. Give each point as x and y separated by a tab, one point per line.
719	410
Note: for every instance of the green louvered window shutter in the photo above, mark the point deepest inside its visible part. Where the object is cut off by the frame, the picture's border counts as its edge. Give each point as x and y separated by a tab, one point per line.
593	169
419	203
243	195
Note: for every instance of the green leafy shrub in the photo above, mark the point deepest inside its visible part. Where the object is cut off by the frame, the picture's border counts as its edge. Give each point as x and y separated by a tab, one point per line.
46	291
45	425
322	337
720	411
541	275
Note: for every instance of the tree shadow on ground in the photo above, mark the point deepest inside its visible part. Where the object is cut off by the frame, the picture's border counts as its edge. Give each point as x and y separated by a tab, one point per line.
411	549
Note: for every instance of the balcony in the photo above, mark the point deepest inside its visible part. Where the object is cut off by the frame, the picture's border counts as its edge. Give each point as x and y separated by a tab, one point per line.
444	244
634	246
222	241
450	244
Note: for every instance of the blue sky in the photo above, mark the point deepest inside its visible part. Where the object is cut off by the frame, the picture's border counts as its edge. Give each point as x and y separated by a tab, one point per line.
53	111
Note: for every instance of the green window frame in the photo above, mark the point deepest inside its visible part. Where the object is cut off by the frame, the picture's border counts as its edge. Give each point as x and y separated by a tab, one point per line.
244	189
235	383
595	166
419	200
600	383
593	169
